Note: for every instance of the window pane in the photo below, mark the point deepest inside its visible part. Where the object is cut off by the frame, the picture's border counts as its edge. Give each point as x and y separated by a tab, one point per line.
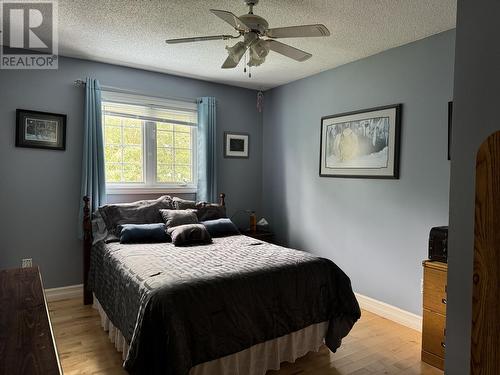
132	154
131	122
132	136
113	134
113	154
123	150
113	172
163	126
182	156
183	173
112	120
183	140
183	128
132	172
173	154
165	173
164	138
165	156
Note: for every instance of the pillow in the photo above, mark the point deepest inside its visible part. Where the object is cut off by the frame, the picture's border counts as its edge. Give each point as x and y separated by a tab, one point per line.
173	218
189	234
220	227
209	211
141	212
183	204
143	233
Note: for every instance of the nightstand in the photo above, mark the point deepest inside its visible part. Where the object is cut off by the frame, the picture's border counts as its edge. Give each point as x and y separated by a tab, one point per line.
262	235
434	314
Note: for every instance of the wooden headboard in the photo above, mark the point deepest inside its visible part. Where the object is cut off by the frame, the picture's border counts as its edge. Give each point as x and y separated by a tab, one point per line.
87	244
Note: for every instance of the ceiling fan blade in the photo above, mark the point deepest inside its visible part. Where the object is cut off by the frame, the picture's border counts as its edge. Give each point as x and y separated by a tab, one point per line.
298	31
229	63
288	51
200	39
231	19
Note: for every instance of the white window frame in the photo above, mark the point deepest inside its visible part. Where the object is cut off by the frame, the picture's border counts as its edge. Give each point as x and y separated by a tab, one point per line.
150	185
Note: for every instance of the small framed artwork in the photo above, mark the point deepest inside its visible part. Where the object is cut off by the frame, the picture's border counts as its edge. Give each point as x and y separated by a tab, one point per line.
450	124
40	130
236	145
361	144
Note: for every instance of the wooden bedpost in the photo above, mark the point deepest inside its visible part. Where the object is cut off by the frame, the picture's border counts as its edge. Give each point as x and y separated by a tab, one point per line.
222	199
87	246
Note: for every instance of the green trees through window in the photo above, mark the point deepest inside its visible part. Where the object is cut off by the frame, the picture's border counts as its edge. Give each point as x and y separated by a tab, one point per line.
139	151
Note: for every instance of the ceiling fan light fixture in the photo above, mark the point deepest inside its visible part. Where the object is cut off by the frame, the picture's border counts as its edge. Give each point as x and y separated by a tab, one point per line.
258	53
237	51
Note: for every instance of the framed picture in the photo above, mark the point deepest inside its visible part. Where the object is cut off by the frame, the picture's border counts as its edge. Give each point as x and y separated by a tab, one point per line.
236	145
450	114
361	144
40	130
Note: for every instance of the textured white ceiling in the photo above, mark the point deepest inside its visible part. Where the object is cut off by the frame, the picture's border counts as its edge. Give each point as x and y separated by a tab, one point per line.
133	33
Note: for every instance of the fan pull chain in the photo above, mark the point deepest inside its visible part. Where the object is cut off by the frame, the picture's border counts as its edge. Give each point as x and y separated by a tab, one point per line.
245	62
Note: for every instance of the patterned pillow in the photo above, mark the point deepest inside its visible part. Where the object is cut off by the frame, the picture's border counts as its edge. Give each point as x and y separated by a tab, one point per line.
174	218
189	234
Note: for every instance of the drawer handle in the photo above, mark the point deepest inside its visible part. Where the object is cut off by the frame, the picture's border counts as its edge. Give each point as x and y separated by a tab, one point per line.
444	301
443	344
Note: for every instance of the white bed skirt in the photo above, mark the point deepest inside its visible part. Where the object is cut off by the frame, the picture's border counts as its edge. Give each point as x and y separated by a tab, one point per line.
256	360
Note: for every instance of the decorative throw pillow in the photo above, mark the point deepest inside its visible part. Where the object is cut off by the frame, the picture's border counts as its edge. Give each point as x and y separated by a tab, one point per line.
183	204
209	211
189	234
140	212
174	218
221	227
144	233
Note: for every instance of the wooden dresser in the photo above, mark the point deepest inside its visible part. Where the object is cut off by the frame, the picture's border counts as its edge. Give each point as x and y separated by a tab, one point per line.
26	341
434	313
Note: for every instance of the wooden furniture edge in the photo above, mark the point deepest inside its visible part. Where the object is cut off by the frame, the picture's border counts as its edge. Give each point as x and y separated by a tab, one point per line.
435	264
50	321
485	332
87	245
432	359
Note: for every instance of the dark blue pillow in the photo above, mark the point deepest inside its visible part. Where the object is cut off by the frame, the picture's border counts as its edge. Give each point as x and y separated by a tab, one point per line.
221	227
143	233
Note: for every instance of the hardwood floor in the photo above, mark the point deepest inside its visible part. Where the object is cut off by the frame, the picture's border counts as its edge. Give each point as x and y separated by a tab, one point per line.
374	346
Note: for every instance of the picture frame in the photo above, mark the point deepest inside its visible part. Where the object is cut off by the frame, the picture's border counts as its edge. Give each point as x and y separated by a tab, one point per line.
236	145
361	144
35	129
450	124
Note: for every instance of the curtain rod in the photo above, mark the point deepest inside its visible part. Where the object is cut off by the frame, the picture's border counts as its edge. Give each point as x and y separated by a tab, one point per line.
81	83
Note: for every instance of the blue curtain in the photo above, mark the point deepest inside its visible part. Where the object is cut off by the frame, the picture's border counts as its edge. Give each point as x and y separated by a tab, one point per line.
93	181
207	150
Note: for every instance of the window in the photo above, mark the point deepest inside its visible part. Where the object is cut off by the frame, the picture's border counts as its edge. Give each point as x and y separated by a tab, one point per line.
149	143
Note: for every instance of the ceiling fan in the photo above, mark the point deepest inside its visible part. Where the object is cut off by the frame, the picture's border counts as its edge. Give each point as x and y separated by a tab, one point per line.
252	28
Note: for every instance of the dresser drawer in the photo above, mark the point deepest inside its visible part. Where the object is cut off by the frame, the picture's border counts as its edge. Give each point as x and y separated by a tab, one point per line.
435	290
433	333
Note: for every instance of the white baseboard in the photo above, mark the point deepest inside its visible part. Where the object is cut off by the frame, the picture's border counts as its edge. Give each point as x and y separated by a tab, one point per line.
390	312
66	292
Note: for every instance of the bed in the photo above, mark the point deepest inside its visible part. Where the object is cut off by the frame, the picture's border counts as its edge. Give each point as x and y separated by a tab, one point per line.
235	306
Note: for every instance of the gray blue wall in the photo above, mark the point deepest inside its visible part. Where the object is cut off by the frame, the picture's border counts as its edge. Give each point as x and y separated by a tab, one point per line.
375	230
475	117
40	189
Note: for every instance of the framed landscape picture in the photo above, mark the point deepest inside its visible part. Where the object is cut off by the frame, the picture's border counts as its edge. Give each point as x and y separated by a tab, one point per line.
40	130
362	144
236	145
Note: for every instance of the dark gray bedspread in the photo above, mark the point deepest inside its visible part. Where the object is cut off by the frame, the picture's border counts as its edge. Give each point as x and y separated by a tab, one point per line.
181	306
